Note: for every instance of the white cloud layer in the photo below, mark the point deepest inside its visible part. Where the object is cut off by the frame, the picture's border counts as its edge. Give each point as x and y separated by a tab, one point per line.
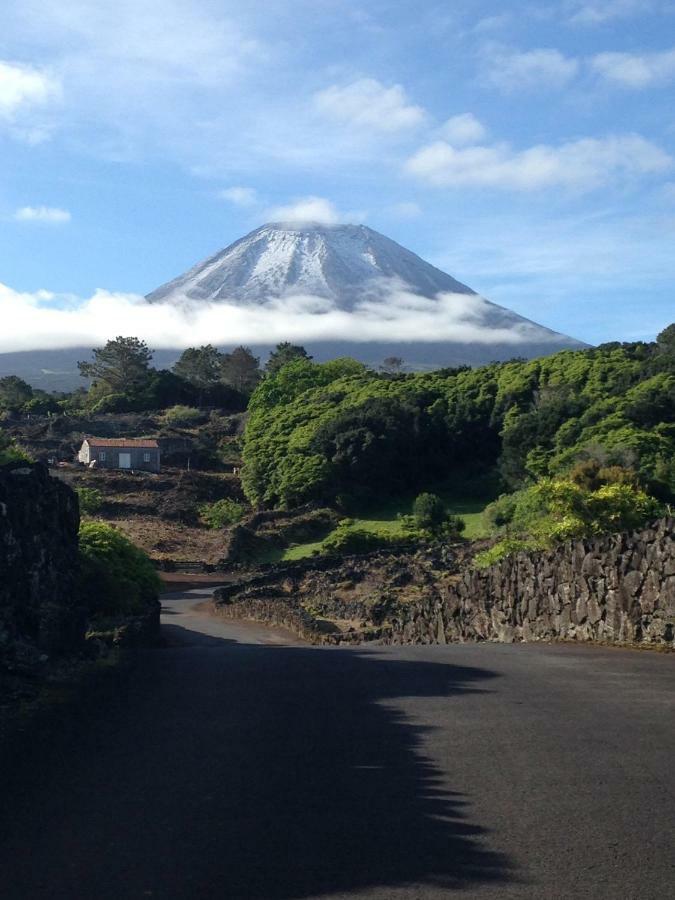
305	210
46	215
634	70
367	103
533	69
462	129
581	164
44	321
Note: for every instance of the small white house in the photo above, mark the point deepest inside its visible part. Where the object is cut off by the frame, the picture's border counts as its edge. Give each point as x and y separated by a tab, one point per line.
139	454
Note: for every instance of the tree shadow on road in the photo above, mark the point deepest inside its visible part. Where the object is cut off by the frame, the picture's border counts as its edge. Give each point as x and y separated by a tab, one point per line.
245	771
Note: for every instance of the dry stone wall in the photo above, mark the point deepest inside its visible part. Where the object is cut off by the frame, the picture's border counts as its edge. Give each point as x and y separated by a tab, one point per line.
617	589
40	610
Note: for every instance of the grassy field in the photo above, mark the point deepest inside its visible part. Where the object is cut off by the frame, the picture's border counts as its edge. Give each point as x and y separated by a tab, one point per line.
463	497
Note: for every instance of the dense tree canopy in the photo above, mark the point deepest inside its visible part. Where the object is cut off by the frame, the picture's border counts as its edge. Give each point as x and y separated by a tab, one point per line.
338	430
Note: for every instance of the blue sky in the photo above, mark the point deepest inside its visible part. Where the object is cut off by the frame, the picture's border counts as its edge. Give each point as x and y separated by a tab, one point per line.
526	148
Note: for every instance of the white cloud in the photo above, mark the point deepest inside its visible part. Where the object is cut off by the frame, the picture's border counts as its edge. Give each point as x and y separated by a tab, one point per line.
634	70
240	196
581	164
462	129
606	10
368	104
512	71
306	209
48	215
25	93
137	77
34	321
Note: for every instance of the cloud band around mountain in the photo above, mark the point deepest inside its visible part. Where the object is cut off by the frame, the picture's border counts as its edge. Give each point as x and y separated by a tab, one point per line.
41	320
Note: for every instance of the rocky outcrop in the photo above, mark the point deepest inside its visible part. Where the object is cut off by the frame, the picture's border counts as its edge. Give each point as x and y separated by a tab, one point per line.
615	589
40	610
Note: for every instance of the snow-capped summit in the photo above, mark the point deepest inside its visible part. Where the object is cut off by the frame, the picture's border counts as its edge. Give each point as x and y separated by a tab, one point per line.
339	262
353	268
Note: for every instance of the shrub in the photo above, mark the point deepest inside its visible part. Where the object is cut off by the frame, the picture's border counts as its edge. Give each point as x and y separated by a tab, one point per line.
429	512
183	416
221	513
117	578
9	452
346	540
91	500
554	510
500	550
430	519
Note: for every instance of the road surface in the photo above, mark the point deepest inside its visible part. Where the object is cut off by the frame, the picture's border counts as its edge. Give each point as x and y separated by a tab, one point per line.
236	762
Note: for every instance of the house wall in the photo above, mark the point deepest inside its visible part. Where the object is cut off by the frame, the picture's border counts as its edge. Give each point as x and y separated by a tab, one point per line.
112	458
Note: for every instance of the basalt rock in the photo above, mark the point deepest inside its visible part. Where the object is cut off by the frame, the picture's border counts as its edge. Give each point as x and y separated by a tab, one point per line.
39	603
616	588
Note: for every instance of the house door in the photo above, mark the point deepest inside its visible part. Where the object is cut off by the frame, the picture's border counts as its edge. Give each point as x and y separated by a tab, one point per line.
125	460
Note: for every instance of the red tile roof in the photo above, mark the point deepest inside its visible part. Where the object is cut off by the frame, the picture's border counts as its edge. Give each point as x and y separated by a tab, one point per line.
143	443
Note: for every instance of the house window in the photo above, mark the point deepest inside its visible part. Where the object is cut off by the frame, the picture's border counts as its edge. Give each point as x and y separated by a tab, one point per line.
101	455
146	457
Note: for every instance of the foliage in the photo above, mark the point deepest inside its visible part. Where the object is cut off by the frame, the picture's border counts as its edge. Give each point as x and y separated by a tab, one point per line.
9	452
282	354
340	433
15	393
120	367
346	540
183	416
501	549
392	365
116	577
430	518
91	500
240	369
556	509
221	513
200	366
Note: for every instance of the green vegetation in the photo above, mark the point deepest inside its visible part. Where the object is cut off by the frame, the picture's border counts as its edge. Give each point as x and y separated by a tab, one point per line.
430	518
221	513
116	577
339	433
9	452
347	539
590	500
91	500
182	416
284	353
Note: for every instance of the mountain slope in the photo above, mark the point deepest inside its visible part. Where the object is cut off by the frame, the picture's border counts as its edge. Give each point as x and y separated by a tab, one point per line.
351	267
342	263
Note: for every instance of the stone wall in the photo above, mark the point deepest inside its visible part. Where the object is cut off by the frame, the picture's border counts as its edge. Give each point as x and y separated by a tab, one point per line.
616	589
39	605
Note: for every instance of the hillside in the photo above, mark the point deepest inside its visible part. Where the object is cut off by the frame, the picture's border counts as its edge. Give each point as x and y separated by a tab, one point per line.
337	432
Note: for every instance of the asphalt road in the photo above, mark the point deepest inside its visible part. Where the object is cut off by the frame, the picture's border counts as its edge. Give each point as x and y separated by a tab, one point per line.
238	763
